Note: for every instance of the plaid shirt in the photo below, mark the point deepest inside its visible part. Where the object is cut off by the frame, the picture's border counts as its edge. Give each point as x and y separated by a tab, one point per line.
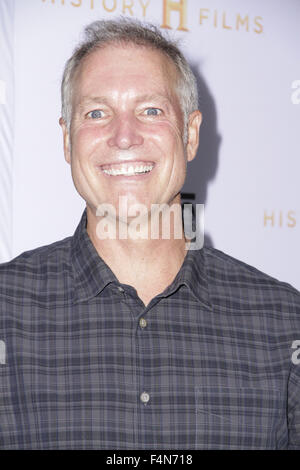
85	365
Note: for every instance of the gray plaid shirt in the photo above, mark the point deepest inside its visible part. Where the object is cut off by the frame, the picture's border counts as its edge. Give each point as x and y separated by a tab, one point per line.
85	365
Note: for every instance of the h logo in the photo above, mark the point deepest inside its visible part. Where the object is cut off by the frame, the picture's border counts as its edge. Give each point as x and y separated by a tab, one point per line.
181	7
2	352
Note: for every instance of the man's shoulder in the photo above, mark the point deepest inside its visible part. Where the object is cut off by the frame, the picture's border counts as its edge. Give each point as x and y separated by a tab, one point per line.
36	264
226	273
37	277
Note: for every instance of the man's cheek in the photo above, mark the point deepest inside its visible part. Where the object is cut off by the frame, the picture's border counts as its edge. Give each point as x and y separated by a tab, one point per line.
164	135
83	147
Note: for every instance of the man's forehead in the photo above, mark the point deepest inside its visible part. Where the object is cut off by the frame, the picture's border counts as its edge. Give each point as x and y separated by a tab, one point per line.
135	90
154	81
151	57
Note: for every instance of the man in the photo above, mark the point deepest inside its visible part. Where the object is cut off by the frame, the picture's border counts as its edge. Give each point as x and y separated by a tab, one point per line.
116	341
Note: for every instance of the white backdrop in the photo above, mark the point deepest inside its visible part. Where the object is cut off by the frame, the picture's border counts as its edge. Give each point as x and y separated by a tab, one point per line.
246	56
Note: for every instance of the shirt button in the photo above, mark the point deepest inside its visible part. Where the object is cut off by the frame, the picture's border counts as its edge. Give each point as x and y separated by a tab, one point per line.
143	323
121	289
145	397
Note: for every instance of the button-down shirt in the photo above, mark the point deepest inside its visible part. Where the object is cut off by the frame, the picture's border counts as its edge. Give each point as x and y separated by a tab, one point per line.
207	364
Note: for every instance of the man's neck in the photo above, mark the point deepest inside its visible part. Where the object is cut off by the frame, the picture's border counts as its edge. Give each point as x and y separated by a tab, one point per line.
149	265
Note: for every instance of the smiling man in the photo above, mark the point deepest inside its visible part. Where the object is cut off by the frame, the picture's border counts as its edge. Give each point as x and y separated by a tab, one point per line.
125	139
115	341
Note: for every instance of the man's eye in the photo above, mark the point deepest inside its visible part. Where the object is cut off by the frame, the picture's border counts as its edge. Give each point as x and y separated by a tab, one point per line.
153	111
96	114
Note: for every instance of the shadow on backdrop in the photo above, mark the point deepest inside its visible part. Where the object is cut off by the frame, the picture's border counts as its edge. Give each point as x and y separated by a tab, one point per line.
203	168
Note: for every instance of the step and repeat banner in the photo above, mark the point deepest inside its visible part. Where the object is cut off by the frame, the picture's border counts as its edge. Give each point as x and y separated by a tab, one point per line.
245	55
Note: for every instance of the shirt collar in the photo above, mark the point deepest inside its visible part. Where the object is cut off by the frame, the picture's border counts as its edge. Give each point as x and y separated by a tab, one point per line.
193	275
92	274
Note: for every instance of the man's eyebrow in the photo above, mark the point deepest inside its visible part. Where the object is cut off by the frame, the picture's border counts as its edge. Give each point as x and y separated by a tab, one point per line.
92	99
86	100
154	97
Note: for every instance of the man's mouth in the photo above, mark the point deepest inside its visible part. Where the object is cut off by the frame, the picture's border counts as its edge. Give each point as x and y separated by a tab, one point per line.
128	169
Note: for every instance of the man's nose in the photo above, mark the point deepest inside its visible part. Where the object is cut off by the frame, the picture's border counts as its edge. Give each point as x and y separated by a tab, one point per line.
125	133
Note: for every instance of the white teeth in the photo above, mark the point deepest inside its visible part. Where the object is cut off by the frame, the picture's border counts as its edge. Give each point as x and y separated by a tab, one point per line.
129	171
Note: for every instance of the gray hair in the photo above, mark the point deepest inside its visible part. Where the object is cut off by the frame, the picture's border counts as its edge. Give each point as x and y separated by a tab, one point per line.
127	30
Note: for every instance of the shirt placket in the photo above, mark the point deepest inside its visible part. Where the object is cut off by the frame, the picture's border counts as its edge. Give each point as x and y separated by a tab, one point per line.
142	375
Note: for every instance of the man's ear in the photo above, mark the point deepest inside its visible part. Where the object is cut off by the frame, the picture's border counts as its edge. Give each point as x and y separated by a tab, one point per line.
66	138
194	124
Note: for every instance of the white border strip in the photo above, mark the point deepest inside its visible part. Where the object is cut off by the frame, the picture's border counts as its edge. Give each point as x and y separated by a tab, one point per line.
6	126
